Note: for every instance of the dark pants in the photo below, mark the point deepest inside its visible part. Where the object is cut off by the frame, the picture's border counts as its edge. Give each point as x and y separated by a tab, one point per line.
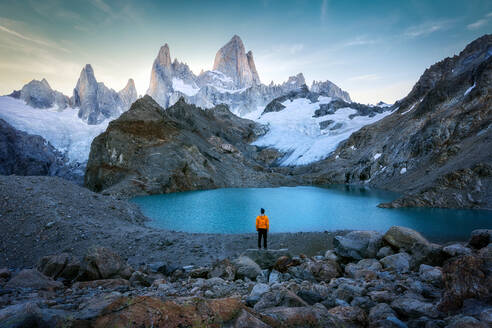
262	232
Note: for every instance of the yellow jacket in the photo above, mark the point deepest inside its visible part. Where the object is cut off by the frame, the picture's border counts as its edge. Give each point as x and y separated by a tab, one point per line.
262	222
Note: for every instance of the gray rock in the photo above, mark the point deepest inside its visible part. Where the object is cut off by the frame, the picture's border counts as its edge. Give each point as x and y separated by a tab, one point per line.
362	268
30	278
480	238
358	244
266	258
279	297
246	267
274	277
399	262
413	307
347	292
331	255
101	263
486	317
456	250
384	251
309	296
404	238
430	274
465	322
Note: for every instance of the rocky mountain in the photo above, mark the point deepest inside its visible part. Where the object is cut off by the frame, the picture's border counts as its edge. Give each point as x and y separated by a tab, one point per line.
149	150
435	146
96	102
26	154
233	62
330	89
233	81
38	94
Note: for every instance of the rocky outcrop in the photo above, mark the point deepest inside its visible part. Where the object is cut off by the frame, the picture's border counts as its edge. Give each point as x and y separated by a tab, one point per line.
96	102
25	154
233	62
434	145
149	150
38	94
330	89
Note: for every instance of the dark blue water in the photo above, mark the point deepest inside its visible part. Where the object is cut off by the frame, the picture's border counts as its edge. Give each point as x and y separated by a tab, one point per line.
294	209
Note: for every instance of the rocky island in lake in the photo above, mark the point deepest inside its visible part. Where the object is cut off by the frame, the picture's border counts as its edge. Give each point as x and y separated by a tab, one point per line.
137	207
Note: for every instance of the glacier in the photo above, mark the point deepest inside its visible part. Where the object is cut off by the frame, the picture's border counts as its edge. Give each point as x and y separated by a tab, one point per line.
295	131
63	129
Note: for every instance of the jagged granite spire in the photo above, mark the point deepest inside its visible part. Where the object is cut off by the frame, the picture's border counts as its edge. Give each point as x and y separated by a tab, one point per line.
39	94
252	67
160	85
232	60
128	94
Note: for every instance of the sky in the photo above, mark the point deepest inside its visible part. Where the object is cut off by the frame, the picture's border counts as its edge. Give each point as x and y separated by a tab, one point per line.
375	50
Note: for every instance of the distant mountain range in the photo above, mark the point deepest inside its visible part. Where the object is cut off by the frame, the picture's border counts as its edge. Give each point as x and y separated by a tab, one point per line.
234	81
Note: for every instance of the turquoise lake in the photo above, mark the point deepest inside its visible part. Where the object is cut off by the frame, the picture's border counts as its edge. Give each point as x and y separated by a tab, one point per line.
296	209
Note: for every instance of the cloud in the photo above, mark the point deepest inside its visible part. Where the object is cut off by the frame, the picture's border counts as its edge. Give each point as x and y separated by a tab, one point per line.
324	7
479	23
102	6
427	28
34	40
296	48
366	77
359	41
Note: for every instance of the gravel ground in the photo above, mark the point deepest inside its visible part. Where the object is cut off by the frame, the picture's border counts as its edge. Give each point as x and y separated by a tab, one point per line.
47	215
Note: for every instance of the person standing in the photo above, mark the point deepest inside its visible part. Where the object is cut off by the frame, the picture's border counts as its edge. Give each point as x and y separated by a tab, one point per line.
262	226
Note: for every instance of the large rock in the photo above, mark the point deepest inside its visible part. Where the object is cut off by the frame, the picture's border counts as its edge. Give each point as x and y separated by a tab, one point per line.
350	315
314	316
464	277
29	314
358	244
404	238
430	274
279	297
399	262
101	263
480	238
266	258
143	311
223	269
246	267
456	250
411	306
30	278
322	270
366	268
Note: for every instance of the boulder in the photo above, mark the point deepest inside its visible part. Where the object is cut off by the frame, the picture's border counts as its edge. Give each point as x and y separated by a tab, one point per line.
256	293
310	296
347	291
379	313
223	269
464	278
274	277
279	297
465	322
29	314
349	314
404	238
246	267
331	255
143	311
411	306
322	270
266	258
480	238
365	268
282	264
100	263
358	244
103	283
430	274
384	251
247	320
399	262
53	265
199	273
456	250
306	316
31	278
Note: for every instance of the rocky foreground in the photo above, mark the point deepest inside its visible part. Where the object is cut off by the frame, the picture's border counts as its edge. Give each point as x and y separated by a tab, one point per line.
398	279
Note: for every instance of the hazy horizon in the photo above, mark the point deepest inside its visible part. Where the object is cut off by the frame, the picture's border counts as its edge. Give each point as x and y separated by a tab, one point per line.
375	51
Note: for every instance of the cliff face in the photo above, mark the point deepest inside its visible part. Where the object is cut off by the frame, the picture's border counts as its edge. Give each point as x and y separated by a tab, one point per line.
435	146
149	150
